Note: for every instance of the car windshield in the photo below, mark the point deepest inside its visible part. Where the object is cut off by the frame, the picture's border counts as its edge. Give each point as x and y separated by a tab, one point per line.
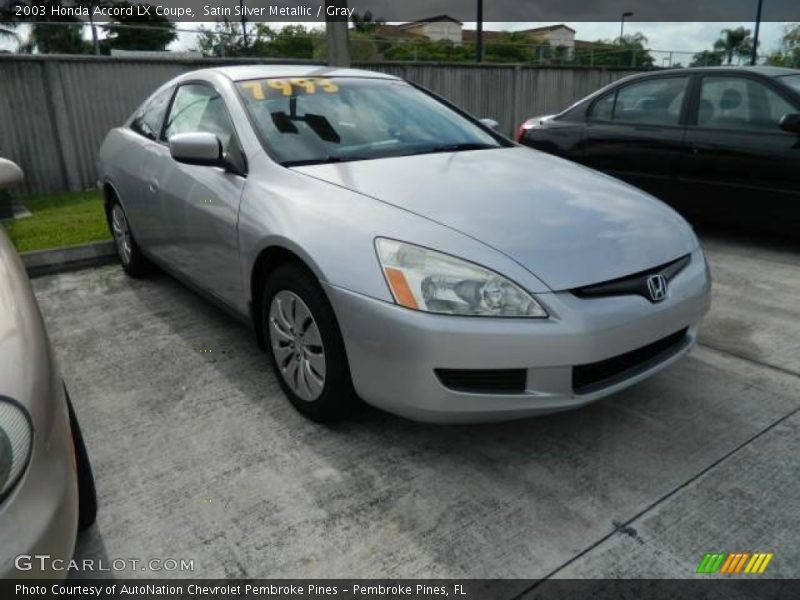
316	120
793	81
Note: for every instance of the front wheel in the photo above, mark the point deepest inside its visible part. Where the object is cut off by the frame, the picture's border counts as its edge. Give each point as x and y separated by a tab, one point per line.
305	345
134	263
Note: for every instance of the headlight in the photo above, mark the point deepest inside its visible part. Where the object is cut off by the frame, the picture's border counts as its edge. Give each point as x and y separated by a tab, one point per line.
430	281
15	444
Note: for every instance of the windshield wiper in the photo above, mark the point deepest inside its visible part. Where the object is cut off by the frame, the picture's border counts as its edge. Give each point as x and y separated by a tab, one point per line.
433	150
321	161
458	147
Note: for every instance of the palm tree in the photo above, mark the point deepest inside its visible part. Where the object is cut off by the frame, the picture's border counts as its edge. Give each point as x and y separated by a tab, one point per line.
734	42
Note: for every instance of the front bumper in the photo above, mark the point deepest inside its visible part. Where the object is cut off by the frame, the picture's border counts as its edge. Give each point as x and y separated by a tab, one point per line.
393	352
41	515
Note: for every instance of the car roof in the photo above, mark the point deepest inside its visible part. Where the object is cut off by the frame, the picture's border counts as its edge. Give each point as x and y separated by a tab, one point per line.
245	72
758	70
762	70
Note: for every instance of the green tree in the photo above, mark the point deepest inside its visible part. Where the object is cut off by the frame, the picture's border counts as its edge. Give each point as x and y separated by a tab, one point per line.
629	51
49	34
224	40
734	43
61	35
363	46
510	47
139	32
90	6
366	23
707	58
789	53
292	41
427	50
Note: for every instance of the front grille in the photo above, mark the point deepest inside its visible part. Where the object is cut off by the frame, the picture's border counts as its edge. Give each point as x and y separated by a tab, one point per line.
486	381
635	284
594	376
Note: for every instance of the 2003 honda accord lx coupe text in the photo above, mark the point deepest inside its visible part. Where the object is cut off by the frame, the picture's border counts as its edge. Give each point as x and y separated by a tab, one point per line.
385	245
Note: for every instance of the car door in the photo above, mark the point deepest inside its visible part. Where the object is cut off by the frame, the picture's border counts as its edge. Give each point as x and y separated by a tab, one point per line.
139	168
741	162
200	204
636	132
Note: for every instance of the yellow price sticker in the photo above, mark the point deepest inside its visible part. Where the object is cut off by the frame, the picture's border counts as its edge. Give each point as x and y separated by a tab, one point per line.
255	89
289	87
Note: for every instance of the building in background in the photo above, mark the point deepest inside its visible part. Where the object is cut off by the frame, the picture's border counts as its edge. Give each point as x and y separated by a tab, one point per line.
560	37
434	29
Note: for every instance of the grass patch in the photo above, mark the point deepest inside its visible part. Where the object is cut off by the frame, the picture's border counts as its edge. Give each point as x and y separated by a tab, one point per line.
58	220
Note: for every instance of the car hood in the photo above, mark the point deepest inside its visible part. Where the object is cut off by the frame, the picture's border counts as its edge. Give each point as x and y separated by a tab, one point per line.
567	224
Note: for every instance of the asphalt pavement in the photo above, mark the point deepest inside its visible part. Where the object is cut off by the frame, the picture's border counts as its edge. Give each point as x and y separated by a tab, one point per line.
198	456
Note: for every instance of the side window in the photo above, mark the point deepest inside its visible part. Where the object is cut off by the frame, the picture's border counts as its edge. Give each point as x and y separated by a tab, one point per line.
199	108
147	121
740	103
603	109
651	102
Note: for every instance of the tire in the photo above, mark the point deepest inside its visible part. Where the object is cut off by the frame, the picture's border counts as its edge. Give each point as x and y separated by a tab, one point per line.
305	345
87	494
130	255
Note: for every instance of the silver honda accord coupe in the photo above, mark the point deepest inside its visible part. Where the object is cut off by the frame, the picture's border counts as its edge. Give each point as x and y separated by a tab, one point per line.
387	246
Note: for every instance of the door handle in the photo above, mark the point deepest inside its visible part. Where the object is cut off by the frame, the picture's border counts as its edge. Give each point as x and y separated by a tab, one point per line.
153	186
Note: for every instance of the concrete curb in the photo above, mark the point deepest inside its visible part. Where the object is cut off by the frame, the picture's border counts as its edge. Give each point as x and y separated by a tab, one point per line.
68	258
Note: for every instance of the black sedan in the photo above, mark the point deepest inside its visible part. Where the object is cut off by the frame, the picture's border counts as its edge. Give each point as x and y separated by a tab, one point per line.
713	142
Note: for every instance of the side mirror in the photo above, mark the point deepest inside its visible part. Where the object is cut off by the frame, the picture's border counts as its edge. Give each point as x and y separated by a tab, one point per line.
10	174
491	124
790	123
197	149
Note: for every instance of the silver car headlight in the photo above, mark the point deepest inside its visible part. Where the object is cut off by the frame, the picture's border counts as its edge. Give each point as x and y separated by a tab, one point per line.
423	279
16	437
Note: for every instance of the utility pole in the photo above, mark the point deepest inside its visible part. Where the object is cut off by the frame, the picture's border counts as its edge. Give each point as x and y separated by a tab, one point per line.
622	25
754	57
244	25
336	32
479	34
